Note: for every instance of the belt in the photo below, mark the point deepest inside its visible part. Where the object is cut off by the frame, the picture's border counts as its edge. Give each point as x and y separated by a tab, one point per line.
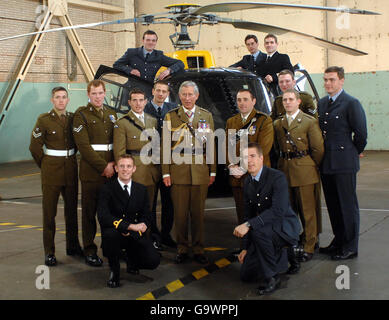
102	147
137	152
292	155
59	153
191	151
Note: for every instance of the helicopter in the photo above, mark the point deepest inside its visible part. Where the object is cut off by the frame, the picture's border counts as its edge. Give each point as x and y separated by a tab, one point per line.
218	85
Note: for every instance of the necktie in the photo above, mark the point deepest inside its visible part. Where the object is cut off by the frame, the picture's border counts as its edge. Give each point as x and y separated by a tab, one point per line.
290	119
142	119
126	189
63	118
159	112
147	56
330	102
267	59
243	120
189	114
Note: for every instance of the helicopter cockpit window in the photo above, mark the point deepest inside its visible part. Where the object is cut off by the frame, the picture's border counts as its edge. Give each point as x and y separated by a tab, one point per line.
195	62
118	88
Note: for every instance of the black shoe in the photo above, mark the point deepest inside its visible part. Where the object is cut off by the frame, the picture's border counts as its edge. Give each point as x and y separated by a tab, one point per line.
132	269
331	249
181	258
77	251
93	260
114	280
200	258
157	245
168	241
344	255
50	260
272	285
293	269
306	257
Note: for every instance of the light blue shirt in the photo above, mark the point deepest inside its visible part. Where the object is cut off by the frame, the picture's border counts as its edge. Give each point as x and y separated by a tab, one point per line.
334	97
255	55
258	175
146	52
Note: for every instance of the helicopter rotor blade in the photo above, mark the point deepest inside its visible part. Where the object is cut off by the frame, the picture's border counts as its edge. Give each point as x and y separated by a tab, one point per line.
141	19
241	24
235	6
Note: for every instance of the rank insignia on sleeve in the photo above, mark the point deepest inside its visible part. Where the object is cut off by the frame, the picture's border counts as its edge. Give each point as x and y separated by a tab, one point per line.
78	129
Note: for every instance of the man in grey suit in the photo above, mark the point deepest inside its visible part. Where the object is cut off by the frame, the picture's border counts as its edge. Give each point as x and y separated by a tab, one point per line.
343	124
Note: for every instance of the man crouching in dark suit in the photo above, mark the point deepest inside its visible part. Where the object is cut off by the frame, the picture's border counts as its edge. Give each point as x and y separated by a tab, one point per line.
124	216
271	225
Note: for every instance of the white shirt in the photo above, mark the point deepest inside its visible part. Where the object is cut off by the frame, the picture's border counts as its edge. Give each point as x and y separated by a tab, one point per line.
193	112
139	115
128	184
293	116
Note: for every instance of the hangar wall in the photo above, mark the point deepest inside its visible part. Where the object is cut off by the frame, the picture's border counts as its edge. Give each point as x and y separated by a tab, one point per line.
366	76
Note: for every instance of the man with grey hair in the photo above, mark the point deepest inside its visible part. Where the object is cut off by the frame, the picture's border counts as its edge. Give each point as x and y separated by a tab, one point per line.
187	170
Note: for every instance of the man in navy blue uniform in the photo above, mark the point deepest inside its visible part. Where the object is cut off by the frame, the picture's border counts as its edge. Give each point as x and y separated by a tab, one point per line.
270	223
250	61
158	107
343	124
144	62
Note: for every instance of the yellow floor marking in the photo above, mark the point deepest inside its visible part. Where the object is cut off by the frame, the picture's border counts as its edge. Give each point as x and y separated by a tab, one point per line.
7	224
222	263
200	273
175	285
147	296
24	175
214	249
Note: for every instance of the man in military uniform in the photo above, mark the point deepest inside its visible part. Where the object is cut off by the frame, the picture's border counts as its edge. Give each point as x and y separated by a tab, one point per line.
53	149
190	174
158	107
343	123
300	143
144	62
256	127
250	61
286	81
127	139
93	133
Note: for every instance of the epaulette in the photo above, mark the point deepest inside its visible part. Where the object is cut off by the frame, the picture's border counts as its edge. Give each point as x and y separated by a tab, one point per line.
261	113
308	115
202	109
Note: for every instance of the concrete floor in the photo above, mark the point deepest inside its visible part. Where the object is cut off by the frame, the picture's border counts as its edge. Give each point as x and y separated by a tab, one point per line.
21	252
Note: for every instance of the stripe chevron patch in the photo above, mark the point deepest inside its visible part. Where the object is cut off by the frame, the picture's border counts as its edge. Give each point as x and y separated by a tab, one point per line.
36	135
78	129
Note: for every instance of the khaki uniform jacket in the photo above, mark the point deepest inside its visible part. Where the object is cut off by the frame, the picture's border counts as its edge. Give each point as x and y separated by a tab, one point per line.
260	131
126	136
307	105
51	133
194	173
306	134
89	128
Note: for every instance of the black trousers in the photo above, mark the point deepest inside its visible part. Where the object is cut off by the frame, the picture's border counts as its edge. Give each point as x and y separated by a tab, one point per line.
266	255
343	210
167	211
140	251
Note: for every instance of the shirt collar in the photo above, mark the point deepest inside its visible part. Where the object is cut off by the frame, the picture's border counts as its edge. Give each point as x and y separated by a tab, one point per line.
294	115
271	55
193	110
258	175
146	52
255	55
138	115
123	184
155	105
334	97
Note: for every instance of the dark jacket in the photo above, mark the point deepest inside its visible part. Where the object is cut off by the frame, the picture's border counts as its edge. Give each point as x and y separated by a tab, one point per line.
117	210
134	59
167	106
246	62
345	133
276	64
268	204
